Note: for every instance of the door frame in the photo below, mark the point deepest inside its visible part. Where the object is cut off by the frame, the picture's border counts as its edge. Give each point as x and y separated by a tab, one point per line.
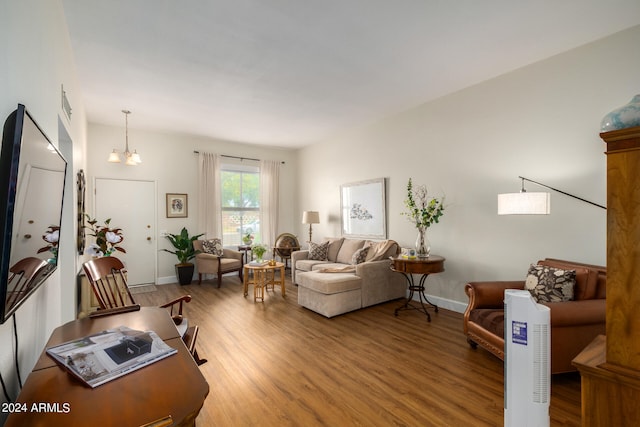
155	214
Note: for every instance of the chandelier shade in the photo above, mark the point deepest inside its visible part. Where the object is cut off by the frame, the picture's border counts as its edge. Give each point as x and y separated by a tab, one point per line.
130	158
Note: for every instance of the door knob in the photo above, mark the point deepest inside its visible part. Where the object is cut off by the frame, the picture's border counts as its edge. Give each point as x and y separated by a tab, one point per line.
148	238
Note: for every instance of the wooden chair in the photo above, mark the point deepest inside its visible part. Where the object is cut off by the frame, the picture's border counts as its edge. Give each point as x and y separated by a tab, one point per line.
107	276
207	263
20	278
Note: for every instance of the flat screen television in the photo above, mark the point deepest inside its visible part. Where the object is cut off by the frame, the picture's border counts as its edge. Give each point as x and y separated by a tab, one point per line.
32	175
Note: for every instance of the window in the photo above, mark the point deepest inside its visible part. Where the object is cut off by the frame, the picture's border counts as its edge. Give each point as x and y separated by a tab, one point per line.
240	203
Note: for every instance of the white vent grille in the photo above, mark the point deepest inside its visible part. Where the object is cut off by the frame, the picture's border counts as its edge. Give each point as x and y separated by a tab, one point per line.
540	363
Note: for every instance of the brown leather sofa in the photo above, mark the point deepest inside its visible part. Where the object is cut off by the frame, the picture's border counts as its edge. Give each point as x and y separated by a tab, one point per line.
574	324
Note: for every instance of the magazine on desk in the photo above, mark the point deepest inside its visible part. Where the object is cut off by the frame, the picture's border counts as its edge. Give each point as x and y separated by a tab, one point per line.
107	355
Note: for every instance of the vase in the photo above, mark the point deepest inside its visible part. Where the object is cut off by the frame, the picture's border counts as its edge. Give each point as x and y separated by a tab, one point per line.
624	117
423	248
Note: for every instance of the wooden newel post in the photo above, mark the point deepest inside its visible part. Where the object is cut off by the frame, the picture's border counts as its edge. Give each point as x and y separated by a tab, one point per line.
610	367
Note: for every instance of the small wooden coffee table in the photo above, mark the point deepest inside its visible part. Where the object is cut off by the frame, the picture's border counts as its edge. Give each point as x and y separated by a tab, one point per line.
261	277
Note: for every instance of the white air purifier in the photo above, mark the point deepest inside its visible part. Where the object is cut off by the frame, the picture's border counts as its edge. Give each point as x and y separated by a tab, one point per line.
527	361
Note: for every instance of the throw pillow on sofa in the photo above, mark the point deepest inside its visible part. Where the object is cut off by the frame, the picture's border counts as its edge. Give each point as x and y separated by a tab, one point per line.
360	255
318	251
549	284
213	246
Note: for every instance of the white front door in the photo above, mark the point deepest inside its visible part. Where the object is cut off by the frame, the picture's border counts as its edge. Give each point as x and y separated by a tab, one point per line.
131	206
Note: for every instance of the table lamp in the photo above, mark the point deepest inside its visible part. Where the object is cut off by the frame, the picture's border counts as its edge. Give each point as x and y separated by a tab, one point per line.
310	217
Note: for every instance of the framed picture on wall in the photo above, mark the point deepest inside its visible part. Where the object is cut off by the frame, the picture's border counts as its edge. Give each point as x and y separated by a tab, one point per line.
362	209
177	205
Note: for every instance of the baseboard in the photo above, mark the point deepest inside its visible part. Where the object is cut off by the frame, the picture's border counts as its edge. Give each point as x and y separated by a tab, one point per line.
447	304
166	280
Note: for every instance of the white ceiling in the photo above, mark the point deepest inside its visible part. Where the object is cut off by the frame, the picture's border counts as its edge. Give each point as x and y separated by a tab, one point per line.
289	73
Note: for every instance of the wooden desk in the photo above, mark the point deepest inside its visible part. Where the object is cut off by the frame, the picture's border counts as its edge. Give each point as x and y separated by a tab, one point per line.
424	267
171	387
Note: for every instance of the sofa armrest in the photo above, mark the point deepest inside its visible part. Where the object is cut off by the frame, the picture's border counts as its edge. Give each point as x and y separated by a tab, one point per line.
489	294
578	312
295	257
379	283
370	269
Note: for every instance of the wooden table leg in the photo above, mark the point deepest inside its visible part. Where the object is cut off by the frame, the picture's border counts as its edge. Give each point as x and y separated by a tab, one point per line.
281	280
245	281
259	282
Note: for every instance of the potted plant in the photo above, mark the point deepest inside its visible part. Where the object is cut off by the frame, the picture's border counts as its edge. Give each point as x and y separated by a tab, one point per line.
247	239
185	252
423	211
108	238
259	250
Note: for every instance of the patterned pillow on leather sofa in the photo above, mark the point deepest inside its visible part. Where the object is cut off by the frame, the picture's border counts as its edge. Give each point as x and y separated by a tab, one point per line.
549	284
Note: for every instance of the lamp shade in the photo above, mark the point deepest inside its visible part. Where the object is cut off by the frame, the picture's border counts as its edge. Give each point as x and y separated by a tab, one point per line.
310	217
114	157
524	203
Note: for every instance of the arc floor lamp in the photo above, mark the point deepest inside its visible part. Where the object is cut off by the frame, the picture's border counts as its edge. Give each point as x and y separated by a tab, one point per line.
534	203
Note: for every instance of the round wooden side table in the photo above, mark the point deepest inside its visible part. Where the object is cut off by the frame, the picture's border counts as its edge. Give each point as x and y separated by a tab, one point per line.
262	276
419	266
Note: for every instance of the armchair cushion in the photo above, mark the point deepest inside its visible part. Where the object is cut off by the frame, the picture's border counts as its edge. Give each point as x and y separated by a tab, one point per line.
227	261
212	246
550	284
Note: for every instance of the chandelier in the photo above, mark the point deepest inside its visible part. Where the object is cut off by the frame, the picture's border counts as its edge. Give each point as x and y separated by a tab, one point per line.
131	159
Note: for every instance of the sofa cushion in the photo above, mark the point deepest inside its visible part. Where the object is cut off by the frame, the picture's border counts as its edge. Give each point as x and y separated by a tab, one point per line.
213	246
318	251
490	319
550	284
329	283
334	247
360	255
308	264
327	265
348	248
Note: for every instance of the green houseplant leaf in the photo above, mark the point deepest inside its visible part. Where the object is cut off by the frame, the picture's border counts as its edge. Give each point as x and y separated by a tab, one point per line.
183	245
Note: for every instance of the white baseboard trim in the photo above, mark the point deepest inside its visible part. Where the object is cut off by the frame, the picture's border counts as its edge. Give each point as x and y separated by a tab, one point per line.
447	304
166	280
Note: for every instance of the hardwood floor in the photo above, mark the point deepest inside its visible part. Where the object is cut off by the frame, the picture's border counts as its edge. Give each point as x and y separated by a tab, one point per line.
278	364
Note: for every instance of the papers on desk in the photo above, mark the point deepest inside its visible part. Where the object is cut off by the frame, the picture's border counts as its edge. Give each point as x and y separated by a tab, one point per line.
107	355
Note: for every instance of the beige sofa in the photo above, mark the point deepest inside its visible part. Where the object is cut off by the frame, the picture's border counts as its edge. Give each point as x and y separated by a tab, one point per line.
335	286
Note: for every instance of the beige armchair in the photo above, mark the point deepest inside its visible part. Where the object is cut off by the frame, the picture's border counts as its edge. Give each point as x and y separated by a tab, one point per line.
207	263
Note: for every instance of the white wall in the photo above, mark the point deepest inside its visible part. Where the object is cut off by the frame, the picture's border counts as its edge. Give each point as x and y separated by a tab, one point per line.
541	122
35	61
169	160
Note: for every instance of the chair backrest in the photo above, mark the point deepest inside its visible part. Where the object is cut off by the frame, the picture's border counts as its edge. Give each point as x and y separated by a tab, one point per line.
22	274
108	279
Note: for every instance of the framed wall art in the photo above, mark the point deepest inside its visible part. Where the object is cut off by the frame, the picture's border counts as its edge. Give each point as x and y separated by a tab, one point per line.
177	205
362	209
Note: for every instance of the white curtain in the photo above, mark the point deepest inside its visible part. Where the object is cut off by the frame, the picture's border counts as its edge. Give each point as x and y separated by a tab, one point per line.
209	198
269	190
